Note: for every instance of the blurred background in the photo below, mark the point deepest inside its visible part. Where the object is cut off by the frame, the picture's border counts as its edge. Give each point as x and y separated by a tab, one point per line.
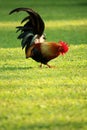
64	20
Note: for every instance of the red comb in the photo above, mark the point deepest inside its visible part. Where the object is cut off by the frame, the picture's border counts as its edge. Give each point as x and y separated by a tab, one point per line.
65	47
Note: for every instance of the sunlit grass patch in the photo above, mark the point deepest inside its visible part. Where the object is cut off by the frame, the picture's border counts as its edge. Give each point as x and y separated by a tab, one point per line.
49	24
66	23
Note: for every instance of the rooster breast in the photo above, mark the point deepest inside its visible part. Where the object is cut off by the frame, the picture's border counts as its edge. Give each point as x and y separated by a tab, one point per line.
50	49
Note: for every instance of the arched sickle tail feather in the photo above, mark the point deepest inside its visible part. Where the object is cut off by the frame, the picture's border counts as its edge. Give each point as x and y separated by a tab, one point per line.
34	19
33	26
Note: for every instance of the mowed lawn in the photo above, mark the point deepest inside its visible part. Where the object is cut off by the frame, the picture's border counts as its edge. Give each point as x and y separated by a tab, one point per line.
33	98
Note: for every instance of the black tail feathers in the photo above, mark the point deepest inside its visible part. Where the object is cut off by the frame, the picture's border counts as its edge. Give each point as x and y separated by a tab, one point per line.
33	27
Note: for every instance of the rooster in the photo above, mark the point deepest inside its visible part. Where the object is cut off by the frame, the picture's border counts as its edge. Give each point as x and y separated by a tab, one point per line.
34	41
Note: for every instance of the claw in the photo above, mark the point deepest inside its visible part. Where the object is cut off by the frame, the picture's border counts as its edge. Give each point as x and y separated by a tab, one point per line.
41	65
50	66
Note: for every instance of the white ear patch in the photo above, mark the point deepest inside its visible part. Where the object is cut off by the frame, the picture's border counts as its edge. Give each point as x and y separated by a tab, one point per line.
40	40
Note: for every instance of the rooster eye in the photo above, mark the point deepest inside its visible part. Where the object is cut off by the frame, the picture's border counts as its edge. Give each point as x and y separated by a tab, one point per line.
44	38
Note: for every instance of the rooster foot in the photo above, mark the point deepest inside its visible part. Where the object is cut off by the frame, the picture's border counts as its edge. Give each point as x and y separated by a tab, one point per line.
50	66
41	65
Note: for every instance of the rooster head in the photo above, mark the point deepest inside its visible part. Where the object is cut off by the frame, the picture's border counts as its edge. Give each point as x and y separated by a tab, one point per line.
63	47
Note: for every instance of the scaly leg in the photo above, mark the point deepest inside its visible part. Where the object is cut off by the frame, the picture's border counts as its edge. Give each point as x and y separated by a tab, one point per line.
50	66
41	65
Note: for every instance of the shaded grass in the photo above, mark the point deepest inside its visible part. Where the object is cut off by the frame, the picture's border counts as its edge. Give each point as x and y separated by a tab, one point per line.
55	10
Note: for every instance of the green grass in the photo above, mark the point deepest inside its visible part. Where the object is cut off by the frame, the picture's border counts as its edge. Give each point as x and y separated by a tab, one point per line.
32	98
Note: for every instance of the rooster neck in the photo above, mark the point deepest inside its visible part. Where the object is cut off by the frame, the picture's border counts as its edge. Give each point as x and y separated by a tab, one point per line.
50	49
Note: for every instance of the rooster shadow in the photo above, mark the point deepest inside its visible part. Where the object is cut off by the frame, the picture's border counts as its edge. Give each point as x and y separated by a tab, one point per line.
13	68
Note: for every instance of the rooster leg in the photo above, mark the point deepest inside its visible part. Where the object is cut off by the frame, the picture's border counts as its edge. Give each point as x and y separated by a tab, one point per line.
41	65
49	66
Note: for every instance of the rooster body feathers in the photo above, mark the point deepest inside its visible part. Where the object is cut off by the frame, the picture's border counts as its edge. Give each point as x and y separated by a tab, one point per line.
33	39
